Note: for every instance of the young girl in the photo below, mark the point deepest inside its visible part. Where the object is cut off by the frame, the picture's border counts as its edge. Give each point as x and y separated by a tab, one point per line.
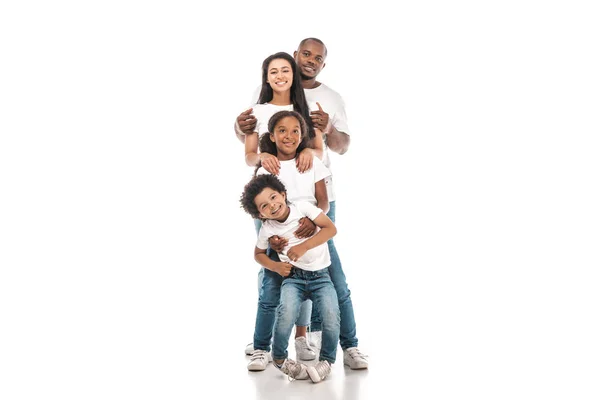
286	139
282	142
281	90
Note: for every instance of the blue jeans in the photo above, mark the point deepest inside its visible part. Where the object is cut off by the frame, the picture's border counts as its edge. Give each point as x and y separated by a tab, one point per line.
269	289
297	287
347	323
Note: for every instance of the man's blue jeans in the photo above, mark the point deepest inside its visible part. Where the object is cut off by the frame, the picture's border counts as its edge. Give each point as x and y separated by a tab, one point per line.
269	290
296	288
347	322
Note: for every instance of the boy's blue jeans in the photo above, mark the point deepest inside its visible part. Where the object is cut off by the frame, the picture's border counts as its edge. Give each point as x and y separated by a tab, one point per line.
296	288
269	290
348	324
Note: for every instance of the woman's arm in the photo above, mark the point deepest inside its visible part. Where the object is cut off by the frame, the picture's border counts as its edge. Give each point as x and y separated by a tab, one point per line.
268	161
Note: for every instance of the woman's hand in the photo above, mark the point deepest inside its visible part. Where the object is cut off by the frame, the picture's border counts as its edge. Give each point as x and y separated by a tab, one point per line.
270	163
304	160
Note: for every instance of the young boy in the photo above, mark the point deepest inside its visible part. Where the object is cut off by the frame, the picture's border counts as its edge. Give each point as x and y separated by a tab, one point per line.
303	264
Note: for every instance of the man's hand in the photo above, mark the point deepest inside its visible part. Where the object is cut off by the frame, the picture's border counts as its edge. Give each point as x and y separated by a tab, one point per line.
247	122
297	251
277	243
319	118
283	268
306	229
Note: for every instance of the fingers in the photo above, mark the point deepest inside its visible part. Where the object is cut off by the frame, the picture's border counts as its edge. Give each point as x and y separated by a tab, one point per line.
320	108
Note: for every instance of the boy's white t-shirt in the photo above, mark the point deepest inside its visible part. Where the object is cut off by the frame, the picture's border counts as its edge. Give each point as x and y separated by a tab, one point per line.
314	259
300	186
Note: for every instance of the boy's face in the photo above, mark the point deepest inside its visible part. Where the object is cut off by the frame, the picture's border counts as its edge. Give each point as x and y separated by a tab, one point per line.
271	205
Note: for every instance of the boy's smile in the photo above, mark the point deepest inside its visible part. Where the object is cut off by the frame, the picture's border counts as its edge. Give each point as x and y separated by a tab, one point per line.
272	205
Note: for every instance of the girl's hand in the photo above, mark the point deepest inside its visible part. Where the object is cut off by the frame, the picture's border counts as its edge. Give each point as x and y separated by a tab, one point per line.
270	163
297	251
284	269
277	243
304	160
306	229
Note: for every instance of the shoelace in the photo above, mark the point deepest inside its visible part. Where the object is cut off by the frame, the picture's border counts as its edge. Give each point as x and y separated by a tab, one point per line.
304	346
293	369
323	368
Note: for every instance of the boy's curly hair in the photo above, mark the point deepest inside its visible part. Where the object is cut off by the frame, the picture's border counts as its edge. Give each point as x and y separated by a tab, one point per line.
253	188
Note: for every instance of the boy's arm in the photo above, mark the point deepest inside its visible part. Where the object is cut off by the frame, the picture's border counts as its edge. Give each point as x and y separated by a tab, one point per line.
260	255
327	231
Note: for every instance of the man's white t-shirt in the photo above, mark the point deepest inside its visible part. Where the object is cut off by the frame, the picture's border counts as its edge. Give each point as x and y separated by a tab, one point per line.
314	259
332	103
300	186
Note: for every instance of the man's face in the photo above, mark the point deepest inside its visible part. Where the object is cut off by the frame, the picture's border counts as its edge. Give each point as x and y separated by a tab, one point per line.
310	58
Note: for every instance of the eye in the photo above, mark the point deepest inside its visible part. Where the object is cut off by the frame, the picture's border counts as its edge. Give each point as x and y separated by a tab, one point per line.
306	54
319	59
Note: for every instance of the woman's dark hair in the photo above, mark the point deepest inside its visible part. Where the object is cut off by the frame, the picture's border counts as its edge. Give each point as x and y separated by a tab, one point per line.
297	96
253	188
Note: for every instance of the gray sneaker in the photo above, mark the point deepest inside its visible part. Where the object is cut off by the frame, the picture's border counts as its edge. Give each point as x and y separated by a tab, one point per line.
320	371
259	360
303	350
293	369
249	349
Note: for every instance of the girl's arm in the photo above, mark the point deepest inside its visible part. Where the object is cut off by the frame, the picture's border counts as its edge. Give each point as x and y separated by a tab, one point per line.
281	268
321	195
327	231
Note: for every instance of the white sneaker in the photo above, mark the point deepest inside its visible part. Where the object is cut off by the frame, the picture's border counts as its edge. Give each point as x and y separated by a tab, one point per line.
303	350
293	369
249	349
315	339
259	360
355	359
319	372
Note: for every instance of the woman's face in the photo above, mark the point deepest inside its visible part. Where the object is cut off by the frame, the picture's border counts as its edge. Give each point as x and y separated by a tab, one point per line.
280	75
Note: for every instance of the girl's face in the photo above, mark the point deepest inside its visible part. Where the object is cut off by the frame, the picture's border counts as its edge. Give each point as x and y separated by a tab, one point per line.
287	136
280	75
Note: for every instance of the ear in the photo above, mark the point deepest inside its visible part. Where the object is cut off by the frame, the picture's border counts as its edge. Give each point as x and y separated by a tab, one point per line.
295	53
272	137
323	67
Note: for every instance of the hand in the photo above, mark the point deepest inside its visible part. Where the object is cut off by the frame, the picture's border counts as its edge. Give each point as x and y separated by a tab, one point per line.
247	122
270	163
304	160
306	229
277	243
297	251
283	268
319	118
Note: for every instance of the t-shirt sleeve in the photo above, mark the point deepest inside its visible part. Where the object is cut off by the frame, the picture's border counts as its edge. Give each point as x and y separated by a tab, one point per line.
308	209
255	96
263	238
321	171
262	123
339	119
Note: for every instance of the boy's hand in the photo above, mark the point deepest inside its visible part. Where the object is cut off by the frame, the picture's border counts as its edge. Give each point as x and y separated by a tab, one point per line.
284	268
306	229
277	243
297	251
247	122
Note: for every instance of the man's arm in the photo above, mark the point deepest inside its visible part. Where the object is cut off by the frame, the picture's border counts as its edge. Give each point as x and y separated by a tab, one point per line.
327	231
337	141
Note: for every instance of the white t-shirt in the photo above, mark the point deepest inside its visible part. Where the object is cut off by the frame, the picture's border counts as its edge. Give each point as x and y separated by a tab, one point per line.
264	112
333	104
314	259
300	186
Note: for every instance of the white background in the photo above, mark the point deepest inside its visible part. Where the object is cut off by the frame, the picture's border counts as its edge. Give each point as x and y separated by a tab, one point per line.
467	204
